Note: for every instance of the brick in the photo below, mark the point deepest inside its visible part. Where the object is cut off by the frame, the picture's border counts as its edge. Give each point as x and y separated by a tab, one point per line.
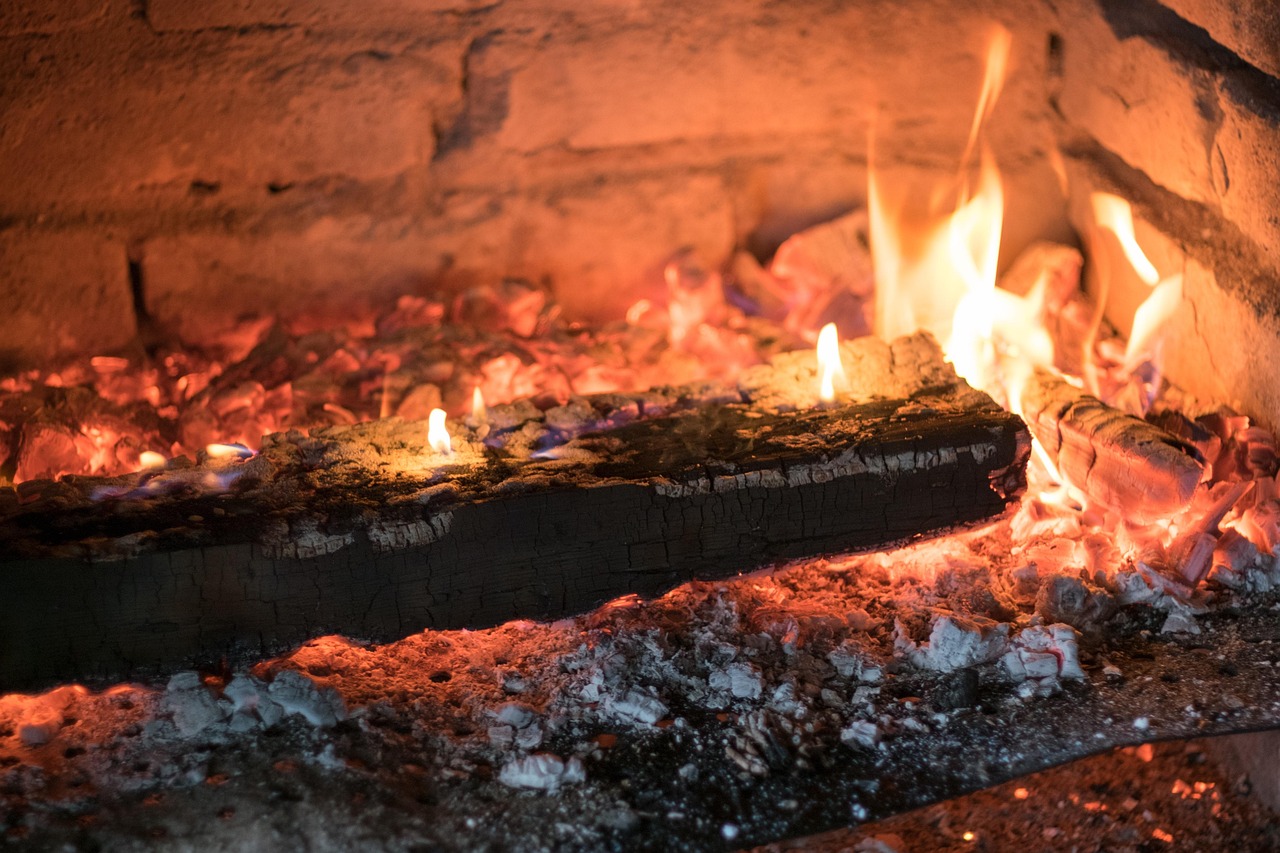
605	245
1143	104
1247	147
179	15
230	113
64	293
793	71
19	17
599	248
1226	300
1212	136
199	284
1248	28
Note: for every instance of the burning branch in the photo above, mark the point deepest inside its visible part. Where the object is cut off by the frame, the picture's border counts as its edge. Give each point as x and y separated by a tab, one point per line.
1122	462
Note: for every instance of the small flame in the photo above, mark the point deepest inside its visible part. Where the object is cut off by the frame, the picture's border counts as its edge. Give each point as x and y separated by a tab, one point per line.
149	460
227	451
829	364
437	433
479	413
1115	214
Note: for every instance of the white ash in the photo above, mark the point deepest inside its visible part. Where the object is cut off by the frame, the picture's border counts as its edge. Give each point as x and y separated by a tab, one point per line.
297	694
861	733
636	705
955	642
741	680
1042	655
542	772
192	706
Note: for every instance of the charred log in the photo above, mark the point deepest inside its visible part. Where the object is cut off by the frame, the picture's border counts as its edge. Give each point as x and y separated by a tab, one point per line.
360	531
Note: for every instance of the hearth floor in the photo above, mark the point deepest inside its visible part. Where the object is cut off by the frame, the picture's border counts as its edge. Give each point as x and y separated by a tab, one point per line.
1171	796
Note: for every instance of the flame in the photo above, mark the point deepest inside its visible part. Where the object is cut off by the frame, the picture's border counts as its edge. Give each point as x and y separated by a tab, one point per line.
479	414
1116	215
974	250
149	460
829	365
941	276
437	433
1150	320
992	84
227	451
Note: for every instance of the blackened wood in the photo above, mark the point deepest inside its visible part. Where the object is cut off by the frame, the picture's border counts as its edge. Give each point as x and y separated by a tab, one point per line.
315	546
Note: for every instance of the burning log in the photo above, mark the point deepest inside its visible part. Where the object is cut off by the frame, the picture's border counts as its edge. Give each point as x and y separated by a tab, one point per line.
1122	462
367	531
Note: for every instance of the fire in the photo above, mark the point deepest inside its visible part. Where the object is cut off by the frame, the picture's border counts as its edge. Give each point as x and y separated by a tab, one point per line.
149	460
227	451
830	367
1149	322
438	433
941	275
479	414
1116	215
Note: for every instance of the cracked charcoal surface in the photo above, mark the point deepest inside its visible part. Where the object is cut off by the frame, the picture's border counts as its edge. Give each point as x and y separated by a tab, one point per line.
346	532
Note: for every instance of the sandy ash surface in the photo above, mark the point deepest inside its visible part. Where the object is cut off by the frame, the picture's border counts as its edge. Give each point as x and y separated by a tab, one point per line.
420	742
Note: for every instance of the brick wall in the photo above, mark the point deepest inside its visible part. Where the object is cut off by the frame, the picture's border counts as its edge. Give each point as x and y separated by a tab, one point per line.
267	156
1175	105
204	161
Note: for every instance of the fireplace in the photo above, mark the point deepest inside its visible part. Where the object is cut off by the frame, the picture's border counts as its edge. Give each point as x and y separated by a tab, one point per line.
414	410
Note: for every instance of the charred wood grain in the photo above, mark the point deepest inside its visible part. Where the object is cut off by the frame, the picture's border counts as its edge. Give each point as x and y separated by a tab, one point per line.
636	508
1123	462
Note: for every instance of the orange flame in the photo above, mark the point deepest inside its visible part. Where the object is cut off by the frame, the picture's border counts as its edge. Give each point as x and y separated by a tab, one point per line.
438	433
992	84
1116	215
974	249
1150	320
830	367
942	277
227	451
479	413
149	460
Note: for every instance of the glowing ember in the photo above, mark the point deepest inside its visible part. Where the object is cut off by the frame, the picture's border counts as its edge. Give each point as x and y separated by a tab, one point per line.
829	364
149	460
438	433
227	451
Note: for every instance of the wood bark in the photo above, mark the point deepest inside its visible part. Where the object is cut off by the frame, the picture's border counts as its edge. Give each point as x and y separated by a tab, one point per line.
318	535
1125	463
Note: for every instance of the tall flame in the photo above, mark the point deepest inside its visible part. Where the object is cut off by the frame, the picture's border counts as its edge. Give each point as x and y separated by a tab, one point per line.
974	251
942	275
830	367
479	413
437	433
1114	214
